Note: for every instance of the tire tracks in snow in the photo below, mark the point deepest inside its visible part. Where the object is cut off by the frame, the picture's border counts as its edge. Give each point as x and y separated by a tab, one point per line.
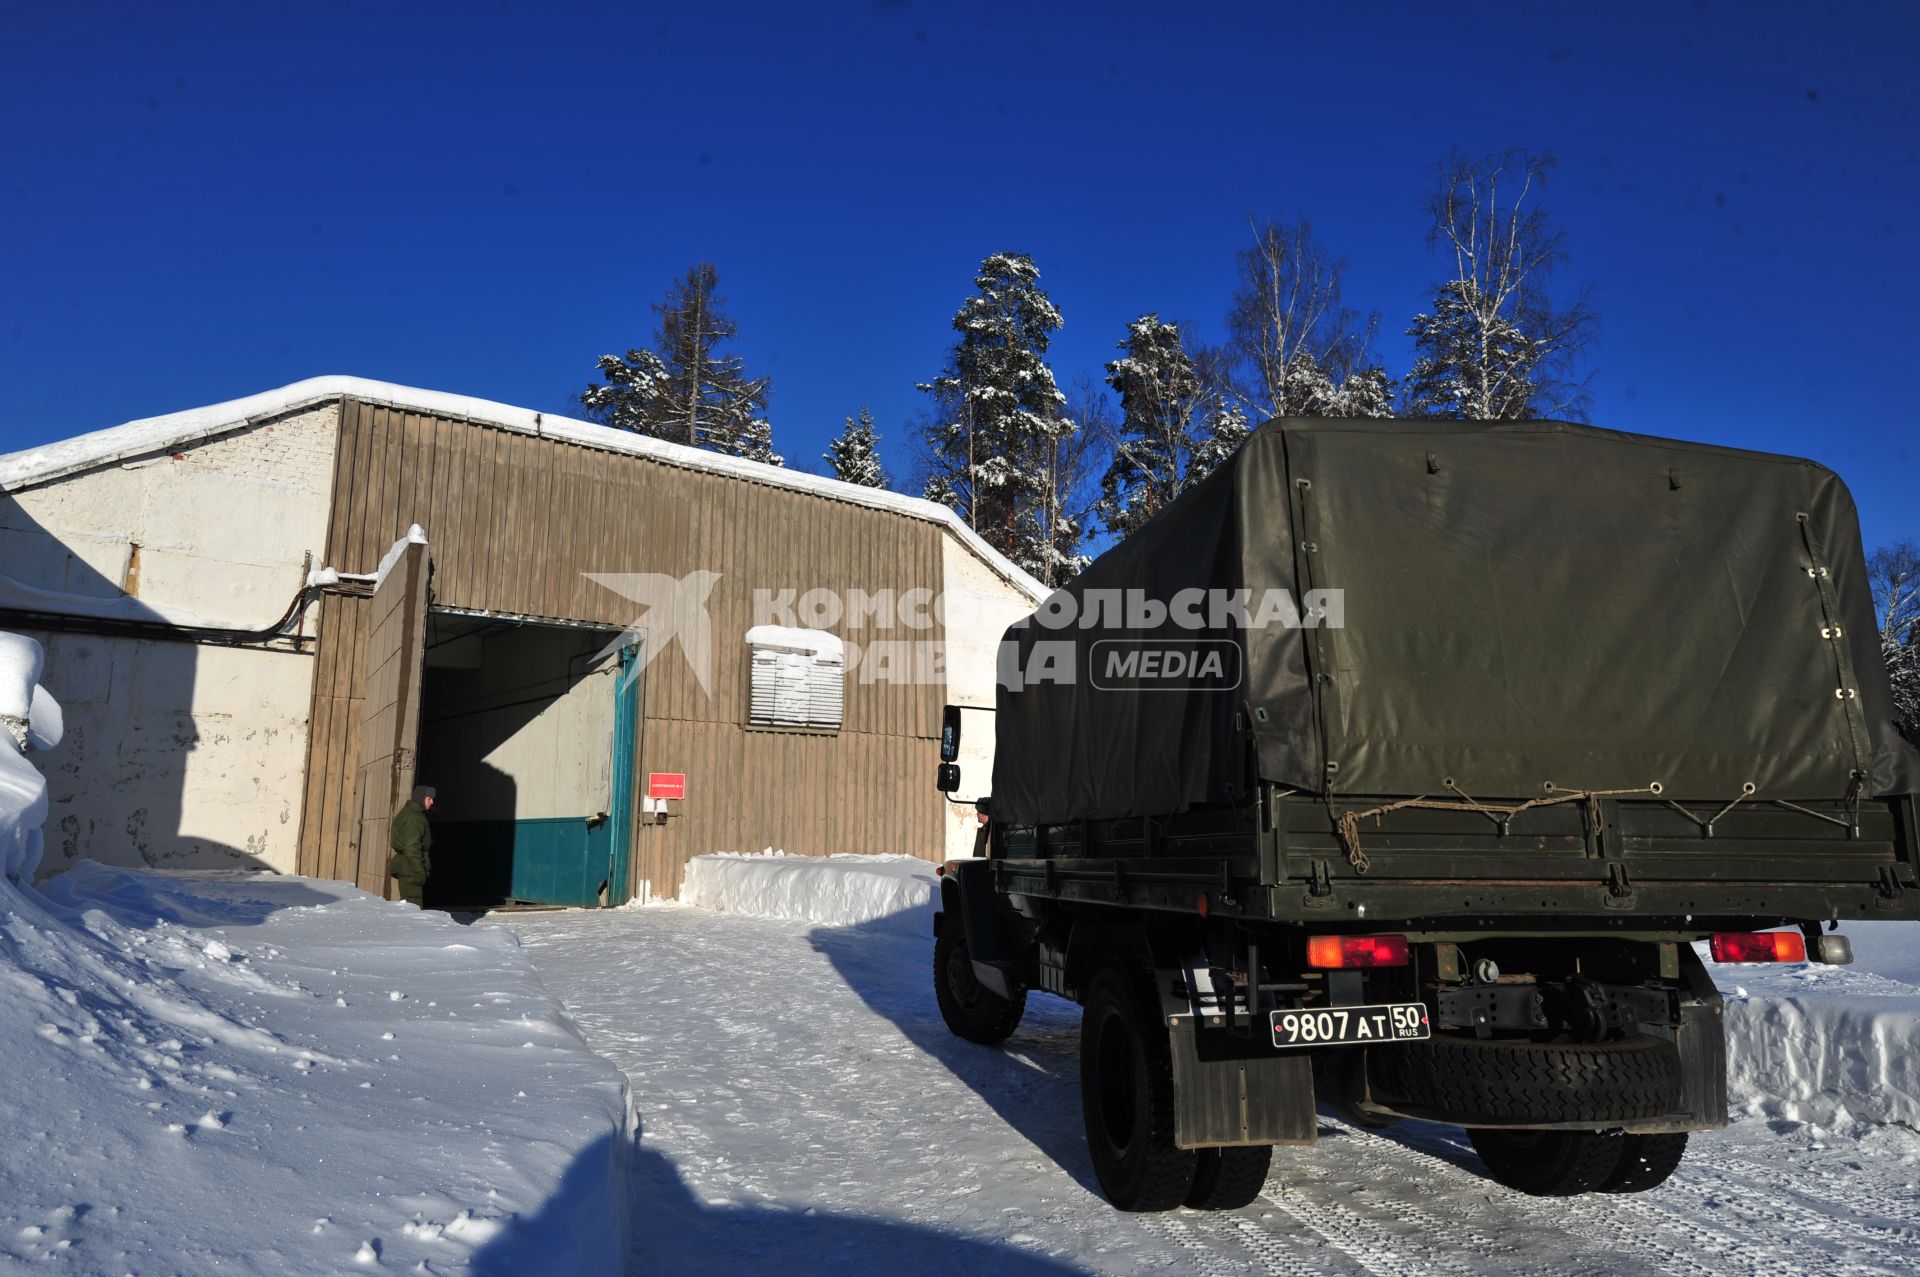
1667	1239
1902	1226
1205	1255
1605	1222
1857	1239
1380	1160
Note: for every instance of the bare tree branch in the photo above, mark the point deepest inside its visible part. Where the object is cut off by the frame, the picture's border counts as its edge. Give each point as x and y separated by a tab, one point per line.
1496	345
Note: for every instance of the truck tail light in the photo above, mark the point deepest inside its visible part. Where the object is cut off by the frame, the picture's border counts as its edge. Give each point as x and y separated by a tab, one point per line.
1758	946
1356	951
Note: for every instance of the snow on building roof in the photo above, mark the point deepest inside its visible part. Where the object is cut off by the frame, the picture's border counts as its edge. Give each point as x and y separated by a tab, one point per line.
168	432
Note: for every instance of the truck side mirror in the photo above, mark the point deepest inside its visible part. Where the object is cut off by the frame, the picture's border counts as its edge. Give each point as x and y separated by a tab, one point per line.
948	780
949	734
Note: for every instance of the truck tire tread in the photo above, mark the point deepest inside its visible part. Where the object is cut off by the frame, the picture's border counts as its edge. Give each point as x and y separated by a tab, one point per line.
1152	1173
1492	1081
1646	1162
970	1010
1229	1178
1550	1163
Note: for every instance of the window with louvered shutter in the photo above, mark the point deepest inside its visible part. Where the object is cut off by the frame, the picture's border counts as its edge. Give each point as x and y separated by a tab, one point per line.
797	678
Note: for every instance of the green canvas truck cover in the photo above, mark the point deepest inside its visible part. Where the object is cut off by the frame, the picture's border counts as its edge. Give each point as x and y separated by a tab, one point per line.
1521	608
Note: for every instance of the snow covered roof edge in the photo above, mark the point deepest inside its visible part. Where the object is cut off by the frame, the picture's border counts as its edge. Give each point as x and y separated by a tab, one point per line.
162	433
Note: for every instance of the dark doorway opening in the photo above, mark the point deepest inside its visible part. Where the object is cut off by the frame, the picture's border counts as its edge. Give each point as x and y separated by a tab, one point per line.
517	727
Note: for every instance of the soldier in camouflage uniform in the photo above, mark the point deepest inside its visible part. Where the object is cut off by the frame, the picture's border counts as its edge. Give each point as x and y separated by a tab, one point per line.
411	839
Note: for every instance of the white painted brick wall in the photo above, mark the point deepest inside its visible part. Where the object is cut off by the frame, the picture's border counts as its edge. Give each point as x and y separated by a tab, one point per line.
181	755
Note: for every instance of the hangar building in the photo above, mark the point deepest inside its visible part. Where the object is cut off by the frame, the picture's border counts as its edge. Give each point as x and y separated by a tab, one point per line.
269	618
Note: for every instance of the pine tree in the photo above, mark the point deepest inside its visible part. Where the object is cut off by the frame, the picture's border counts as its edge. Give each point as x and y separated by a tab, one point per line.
1366	392
685	389
1226	429
1228	421
1474	363
1495	346
854	455
1179	423
994	440
1162	406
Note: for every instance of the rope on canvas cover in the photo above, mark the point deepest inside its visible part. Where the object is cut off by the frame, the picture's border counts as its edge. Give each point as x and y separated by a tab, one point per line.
1500	813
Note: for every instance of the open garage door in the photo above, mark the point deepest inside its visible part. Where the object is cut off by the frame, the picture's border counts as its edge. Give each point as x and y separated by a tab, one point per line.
529	732
390	708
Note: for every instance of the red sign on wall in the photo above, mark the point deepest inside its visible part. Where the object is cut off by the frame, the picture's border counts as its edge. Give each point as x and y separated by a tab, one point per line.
666	784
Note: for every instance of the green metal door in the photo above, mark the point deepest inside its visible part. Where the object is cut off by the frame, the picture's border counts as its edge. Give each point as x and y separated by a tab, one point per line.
626	768
562	860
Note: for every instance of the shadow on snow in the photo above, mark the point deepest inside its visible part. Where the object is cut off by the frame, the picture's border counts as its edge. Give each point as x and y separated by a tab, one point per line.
1032	1081
671	1231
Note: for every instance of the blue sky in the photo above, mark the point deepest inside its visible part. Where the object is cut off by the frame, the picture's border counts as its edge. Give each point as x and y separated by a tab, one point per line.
200	201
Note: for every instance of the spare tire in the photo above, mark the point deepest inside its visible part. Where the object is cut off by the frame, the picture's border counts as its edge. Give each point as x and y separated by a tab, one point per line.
1502	1082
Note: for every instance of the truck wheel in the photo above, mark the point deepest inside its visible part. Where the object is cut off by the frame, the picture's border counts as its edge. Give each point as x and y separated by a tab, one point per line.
1550	1163
1229	1178
1647	1162
1126	1094
1496	1081
970	1009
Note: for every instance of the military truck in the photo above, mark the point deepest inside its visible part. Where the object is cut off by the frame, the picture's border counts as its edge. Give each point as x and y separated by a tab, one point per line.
1400	767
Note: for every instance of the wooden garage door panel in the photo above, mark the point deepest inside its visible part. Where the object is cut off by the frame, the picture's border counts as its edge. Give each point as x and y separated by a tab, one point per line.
390	708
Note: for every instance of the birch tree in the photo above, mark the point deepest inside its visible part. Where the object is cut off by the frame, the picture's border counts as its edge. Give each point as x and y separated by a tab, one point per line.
1495	345
1294	344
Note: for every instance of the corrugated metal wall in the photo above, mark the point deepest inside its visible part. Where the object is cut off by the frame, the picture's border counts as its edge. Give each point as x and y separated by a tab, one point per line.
516	521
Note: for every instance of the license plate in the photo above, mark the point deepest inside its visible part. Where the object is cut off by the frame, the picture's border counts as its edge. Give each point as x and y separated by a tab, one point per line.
1352	1026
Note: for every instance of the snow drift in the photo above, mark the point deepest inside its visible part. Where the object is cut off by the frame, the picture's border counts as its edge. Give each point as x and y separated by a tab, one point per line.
1827	1060
228	1072
835	891
31	718
1829	1046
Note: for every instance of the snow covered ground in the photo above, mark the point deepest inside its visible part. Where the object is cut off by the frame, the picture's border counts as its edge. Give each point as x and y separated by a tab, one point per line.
803	1109
243	1073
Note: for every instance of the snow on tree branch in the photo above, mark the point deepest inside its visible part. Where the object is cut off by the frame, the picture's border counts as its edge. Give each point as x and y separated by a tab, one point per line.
685	389
1495	345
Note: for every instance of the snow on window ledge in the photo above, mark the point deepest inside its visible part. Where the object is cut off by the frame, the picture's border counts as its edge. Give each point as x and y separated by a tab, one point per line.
798	679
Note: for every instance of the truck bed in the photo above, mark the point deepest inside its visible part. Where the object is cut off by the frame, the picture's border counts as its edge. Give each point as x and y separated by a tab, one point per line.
1601	863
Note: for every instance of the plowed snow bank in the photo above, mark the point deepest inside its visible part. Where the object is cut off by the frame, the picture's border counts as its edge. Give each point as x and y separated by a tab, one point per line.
836	891
1829	1045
